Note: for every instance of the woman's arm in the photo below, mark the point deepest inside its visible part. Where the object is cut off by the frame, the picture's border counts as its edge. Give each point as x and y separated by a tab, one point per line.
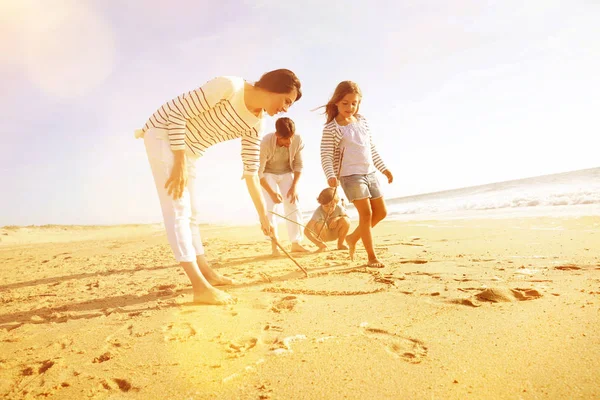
176	183
251	160
177	112
192	104
259	203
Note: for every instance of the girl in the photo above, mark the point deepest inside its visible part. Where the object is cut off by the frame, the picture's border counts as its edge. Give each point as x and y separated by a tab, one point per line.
346	129
179	132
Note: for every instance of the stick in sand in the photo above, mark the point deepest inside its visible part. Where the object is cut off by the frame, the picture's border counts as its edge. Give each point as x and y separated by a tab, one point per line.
304	226
334	192
289	256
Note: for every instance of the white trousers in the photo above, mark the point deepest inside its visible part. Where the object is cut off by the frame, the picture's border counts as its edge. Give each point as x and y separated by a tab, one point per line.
290	210
180	216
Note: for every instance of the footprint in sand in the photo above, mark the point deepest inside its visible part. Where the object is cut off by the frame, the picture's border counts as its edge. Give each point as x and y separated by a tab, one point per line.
180	332
496	295
499	295
405	348
163	290
284	346
102	358
272	328
238	348
394	275
114	384
286	303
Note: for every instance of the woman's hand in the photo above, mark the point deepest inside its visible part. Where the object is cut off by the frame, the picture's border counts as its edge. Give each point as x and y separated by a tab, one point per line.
266	226
253	185
389	175
176	183
332	182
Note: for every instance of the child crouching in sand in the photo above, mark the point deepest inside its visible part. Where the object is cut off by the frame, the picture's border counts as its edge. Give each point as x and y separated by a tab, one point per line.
330	221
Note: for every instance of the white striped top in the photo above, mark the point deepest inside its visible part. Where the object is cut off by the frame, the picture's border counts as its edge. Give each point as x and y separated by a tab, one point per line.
330	148
211	114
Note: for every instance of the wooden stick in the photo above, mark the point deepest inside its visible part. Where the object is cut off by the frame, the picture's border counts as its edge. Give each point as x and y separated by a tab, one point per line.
289	256
310	230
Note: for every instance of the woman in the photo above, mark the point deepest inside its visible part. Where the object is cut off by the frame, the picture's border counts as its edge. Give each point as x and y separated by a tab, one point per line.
179	132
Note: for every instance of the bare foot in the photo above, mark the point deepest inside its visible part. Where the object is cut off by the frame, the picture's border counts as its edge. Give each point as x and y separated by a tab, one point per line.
275	253
351	245
375	263
298	248
321	249
213	277
213	296
342	246
220	280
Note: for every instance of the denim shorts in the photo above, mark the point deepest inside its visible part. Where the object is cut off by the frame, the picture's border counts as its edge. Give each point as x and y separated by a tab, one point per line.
357	187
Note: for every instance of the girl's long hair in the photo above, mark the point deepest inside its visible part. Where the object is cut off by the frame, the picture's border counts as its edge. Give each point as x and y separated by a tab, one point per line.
342	89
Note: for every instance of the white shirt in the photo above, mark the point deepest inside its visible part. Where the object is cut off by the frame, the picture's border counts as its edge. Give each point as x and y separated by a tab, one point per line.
211	114
356	144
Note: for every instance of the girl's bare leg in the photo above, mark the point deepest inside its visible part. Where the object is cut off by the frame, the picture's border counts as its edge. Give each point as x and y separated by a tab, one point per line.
379	211
363	231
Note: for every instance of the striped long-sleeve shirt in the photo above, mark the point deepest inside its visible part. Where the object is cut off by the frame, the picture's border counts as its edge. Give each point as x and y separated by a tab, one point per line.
211	114
331	149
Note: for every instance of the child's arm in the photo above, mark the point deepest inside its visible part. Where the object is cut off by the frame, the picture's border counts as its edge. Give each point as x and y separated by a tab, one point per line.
311	227
327	151
379	164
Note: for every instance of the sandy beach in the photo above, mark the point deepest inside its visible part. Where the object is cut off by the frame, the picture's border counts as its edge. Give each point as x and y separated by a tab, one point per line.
484	308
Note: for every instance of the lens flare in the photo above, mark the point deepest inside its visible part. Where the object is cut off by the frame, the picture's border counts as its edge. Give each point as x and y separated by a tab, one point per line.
66	48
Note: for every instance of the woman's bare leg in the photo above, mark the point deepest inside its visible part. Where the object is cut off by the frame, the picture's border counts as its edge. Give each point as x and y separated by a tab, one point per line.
204	292
212	276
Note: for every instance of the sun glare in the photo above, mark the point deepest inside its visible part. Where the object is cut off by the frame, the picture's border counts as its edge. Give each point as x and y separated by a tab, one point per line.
67	48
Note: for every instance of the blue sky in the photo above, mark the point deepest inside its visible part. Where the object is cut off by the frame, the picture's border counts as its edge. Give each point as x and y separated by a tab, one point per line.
457	93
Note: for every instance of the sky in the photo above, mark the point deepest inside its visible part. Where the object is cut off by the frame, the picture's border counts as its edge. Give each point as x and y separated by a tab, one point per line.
457	93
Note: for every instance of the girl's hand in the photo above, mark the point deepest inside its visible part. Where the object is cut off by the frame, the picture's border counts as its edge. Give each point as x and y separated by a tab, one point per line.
389	175
332	182
176	183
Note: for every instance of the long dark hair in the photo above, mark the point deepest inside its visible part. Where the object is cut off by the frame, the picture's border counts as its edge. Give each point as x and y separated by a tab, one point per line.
280	81
342	89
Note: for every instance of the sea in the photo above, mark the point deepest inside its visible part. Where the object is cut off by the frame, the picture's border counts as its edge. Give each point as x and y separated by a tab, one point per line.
568	194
